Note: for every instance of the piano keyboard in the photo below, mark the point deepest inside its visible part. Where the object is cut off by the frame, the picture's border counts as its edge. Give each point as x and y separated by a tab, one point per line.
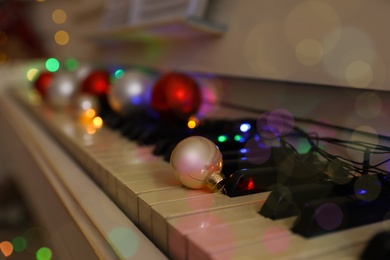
185	223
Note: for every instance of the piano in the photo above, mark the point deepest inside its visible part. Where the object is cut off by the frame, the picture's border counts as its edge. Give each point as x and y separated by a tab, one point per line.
101	195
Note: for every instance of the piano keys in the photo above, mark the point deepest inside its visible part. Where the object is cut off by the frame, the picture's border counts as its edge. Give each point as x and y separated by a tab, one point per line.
185	223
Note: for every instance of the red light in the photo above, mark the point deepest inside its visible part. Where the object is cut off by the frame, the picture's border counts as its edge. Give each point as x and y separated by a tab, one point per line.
96	83
43	82
176	96
246	184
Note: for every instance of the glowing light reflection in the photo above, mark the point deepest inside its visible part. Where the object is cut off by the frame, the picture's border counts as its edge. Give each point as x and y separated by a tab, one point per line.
61	37
52	64
59	16
19	244
97	122
245	127
6	248
44	253
368	105
32	73
359	74
124	240
309	52
329	216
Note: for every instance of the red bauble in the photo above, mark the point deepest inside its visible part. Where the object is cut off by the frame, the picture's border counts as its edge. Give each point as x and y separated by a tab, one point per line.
176	96
42	83
97	83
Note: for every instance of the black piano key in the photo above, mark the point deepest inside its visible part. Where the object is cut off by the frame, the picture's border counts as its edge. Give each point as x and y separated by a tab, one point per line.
322	216
284	200
378	247
249	181
153	134
337	213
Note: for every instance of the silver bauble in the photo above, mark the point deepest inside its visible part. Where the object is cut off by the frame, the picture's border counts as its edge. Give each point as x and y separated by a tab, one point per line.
131	93
62	89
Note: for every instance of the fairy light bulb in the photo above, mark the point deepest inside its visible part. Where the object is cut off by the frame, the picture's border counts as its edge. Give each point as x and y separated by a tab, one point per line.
197	163
85	107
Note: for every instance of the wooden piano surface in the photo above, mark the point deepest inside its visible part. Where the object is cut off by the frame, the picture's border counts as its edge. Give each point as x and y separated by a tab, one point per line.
159	218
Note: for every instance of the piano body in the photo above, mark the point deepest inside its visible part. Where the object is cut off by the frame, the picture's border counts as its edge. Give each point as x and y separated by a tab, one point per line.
101	195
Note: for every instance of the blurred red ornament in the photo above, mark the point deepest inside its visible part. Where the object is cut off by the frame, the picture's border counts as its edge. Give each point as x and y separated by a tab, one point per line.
43	82
96	83
176	96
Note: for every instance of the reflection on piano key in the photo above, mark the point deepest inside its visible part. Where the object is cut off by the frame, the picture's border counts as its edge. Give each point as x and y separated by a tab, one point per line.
342	244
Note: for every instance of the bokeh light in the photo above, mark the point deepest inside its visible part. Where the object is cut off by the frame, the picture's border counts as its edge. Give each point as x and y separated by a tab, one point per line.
359	74
367	187
329	216
61	37
59	16
323	20
192	122
259	151
309	52
124	240
97	122
44	253
71	64
276	239
32	73
19	244
266	54
119	73
368	105
278	122
52	64
6	248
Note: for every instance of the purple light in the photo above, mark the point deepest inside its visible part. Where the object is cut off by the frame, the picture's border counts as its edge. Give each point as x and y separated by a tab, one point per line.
362	192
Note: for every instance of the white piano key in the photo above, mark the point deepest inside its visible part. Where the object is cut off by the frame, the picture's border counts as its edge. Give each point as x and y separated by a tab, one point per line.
136	174
226	237
180	228
134	189
298	247
162	212
147	200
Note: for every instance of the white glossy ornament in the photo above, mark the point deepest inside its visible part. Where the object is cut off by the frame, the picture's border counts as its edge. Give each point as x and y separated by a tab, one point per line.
197	163
131	93
62	89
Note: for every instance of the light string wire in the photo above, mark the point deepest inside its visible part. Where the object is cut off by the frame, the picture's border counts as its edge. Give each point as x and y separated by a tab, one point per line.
314	141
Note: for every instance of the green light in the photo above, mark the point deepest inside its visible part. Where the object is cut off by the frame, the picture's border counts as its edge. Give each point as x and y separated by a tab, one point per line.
52	64
303	146
119	73
19	244
71	64
43	253
238	138
222	138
